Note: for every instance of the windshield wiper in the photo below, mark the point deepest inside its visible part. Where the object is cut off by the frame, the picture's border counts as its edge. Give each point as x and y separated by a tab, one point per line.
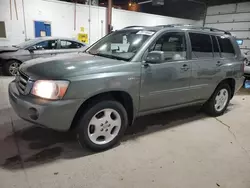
109	56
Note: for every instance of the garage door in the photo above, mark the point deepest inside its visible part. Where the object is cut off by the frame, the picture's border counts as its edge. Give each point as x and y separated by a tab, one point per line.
234	18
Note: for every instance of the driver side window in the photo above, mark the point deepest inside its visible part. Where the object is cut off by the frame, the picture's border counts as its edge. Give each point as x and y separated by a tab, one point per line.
173	45
45	45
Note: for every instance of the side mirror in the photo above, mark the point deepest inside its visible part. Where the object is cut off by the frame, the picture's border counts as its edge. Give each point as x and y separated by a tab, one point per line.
155	57
31	49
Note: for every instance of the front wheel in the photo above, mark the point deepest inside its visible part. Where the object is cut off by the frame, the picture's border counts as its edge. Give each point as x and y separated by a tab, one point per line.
10	68
102	125
219	101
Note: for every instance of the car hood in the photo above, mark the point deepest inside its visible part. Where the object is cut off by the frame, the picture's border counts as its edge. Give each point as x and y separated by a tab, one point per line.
67	66
4	49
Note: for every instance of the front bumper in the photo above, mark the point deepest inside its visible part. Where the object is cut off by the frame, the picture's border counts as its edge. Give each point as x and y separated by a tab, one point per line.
57	115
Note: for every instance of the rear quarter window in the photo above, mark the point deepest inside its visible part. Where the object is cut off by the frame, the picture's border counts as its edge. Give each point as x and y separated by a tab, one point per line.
226	47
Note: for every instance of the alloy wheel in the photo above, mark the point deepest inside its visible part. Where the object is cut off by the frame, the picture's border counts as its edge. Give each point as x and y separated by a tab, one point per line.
13	68
221	100
104	126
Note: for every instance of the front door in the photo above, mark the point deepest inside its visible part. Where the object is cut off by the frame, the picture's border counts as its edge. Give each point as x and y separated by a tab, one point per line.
167	84
46	48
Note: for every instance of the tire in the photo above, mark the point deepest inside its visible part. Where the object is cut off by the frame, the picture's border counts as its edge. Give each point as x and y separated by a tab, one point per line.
216	106
10	67
103	121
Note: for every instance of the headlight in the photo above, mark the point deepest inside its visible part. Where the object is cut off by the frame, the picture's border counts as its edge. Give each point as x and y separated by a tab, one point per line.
50	89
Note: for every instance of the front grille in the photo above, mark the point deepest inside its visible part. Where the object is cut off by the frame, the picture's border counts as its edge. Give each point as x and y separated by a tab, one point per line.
21	81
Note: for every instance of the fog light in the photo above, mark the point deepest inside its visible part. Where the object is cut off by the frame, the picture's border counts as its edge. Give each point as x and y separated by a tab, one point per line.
33	113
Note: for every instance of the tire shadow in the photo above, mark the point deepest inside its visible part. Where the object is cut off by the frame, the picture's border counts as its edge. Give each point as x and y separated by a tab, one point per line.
165	120
37	146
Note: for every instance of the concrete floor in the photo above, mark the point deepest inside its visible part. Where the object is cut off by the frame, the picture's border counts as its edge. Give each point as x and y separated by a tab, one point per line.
180	149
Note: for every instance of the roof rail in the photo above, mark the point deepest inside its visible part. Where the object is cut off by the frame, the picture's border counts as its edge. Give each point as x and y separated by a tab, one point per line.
133	26
220	30
195	27
174	25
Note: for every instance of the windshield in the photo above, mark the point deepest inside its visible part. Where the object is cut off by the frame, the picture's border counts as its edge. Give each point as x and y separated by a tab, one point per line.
122	45
26	43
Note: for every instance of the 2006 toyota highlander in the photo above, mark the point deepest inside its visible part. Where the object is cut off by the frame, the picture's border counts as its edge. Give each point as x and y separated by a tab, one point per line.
129	73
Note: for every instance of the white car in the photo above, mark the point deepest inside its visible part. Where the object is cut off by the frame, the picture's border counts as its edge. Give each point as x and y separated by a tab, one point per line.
247	54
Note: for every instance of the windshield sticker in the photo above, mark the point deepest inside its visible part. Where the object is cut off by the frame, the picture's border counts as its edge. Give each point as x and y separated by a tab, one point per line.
149	33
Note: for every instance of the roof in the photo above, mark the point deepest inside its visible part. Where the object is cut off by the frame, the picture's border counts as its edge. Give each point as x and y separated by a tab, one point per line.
180	26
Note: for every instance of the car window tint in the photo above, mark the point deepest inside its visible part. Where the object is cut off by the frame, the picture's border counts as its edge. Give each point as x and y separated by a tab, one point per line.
46	45
65	44
173	45
215	47
123	44
76	45
201	45
226	47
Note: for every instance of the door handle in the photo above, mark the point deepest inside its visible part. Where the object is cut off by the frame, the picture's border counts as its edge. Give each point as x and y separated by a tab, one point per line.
185	67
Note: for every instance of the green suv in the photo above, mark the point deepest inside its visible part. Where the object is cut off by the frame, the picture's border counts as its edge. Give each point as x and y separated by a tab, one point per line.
129	73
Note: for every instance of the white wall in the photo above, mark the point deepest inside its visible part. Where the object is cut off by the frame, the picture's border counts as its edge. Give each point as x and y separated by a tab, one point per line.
123	18
98	23
234	18
61	16
14	27
61	24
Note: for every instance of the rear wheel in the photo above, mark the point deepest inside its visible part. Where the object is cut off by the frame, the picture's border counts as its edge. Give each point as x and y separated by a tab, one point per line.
10	68
219	101
102	125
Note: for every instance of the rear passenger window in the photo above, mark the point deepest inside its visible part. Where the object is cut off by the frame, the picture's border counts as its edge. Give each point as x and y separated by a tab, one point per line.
65	44
201	45
226	47
215	47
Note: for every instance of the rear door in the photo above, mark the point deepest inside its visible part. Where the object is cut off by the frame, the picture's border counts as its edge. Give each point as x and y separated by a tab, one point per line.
68	46
207	65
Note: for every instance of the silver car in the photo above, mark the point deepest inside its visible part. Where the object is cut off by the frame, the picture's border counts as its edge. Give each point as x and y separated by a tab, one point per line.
11	57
